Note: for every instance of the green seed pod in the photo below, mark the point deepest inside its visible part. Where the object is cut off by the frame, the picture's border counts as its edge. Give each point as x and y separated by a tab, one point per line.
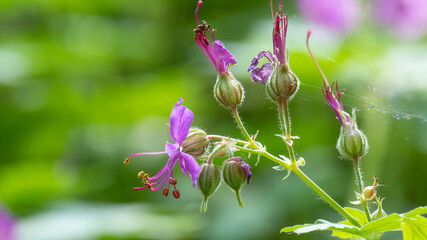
228	90
196	142
352	143
379	213
235	174
283	83
208	182
370	191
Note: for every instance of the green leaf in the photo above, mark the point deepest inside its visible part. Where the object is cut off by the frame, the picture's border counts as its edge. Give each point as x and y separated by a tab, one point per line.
359	215
416	211
392	222
321	225
414	228
344	235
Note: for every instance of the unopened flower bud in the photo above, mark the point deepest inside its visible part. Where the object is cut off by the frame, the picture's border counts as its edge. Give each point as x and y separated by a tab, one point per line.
196	142
235	172
352	143
283	83
222	152
208	182
379	213
228	90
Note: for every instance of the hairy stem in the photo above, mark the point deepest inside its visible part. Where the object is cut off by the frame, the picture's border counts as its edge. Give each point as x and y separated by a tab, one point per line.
358	174
242	127
295	169
326	197
286	127
285	122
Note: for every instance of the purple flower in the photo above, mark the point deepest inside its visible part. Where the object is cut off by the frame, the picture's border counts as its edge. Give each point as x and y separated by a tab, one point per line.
217	54
280	27
406	18
333	99
338	15
179	125
6	225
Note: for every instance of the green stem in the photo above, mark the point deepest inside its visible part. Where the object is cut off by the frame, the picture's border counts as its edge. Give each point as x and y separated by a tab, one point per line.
285	122
242	127
266	155
308	181
326	197
358	174
219	137
280	107
286	126
295	169
239	199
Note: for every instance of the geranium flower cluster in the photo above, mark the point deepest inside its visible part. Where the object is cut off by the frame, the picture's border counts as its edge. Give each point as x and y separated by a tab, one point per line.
191	146
211	159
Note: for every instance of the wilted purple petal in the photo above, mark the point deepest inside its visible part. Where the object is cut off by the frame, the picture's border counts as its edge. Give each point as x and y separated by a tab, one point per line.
223	54
262	74
6	225
256	59
335	102
247	170
180	122
406	18
339	15
191	166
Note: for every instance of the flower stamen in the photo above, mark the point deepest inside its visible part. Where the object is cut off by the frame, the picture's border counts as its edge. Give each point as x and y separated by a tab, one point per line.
197	9
166	192
176	193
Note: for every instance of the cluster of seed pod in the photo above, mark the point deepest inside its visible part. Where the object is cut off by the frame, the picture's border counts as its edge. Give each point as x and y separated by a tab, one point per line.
235	172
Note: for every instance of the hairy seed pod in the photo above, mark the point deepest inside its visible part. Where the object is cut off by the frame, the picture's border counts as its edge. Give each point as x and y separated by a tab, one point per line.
283	83
228	91
352	143
196	142
208	182
379	213
235	172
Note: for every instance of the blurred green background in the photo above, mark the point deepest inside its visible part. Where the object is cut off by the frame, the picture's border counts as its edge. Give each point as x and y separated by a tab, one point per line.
84	84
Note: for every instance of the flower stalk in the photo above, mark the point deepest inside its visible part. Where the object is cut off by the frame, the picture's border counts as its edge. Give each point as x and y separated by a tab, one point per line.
285	122
360	184
245	133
